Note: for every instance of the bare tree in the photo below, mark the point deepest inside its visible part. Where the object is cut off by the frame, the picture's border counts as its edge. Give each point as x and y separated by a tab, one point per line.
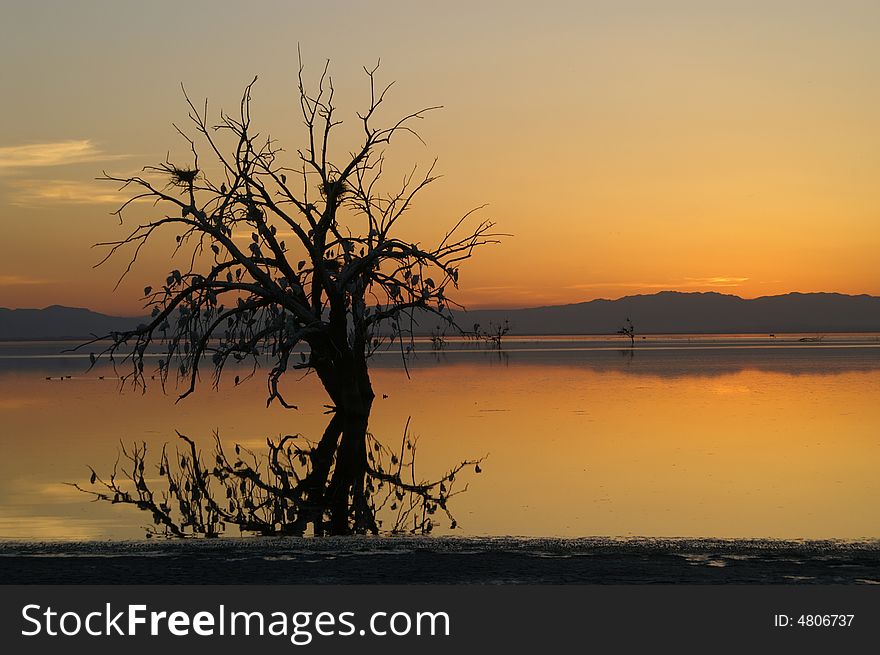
494	334
438	338
322	282
629	330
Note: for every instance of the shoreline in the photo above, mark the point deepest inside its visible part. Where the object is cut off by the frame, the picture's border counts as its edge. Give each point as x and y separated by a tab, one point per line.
442	560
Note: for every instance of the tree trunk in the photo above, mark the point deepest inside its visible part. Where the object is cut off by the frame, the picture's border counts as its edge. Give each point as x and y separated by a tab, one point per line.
347	382
348	505
314	503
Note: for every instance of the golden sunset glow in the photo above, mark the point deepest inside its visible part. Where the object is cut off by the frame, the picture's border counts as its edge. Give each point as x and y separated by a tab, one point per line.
628	147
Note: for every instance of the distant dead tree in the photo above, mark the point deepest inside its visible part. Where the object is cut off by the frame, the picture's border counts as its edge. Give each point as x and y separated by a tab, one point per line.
493	335
298	264
629	330
438	338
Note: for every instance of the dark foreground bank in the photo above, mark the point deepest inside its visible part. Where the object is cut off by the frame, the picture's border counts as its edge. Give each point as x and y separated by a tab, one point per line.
365	560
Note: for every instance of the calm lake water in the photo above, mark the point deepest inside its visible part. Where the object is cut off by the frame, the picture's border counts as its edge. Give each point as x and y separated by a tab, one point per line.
722	436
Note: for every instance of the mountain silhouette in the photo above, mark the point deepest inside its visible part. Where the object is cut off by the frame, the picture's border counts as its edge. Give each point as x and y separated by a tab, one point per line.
674	312
666	312
58	322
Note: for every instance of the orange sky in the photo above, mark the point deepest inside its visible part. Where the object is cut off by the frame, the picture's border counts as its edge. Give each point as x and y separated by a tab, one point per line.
628	146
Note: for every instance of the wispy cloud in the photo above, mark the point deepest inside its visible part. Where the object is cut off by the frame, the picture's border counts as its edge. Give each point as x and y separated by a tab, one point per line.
20	280
623	285
41	192
687	282
716	281
56	153
491	289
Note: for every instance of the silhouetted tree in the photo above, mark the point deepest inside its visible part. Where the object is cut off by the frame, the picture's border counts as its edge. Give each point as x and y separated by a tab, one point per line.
438	338
301	263
629	330
491	336
495	333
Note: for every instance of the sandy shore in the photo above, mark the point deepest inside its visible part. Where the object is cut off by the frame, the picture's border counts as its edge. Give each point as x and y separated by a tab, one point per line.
365	560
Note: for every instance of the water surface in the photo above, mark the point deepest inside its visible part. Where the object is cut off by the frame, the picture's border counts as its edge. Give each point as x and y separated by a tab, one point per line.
731	436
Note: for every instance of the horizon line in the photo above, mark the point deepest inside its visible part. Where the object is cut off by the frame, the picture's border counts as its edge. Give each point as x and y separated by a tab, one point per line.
526	307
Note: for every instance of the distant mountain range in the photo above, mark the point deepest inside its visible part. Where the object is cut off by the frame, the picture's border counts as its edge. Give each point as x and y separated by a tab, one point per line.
58	322
669	312
674	312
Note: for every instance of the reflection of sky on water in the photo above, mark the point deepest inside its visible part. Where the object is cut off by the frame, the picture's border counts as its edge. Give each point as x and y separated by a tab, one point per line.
585	438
